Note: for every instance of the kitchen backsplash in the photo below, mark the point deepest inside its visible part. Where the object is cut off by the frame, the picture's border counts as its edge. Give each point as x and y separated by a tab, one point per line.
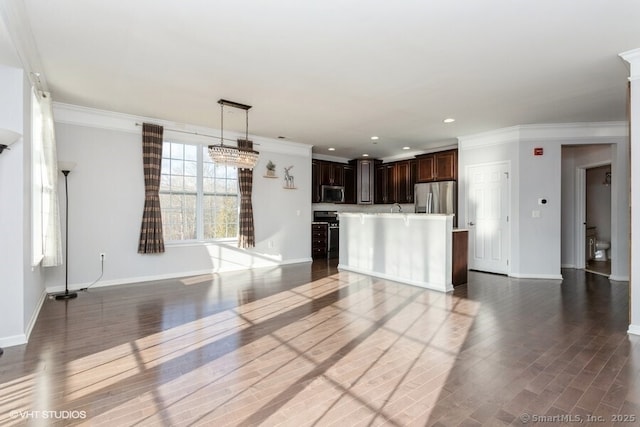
406	208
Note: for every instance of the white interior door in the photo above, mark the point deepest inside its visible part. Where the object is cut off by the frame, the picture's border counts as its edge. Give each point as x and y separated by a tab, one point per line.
488	217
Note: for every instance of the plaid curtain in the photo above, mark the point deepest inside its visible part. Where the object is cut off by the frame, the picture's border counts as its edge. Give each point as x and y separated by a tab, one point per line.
151	239
246	232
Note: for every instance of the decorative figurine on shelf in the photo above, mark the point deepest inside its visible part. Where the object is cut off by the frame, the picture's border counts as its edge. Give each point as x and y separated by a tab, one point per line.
288	178
271	169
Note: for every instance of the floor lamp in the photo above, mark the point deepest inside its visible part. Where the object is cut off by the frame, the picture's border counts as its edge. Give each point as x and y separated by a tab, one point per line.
65	168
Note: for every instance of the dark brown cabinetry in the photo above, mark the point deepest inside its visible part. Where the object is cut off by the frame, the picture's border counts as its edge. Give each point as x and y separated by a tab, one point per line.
332	173
371	181
365	179
405	178
319	240
394	182
460	249
426	168
350	184
384	183
315	181
441	166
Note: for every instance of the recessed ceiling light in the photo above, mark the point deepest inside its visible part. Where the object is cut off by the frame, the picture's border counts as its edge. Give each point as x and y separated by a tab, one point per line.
406	148
332	149
449	120
365	155
374	138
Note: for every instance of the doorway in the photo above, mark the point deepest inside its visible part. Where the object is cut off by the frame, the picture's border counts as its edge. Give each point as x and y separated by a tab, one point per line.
488	217
598	219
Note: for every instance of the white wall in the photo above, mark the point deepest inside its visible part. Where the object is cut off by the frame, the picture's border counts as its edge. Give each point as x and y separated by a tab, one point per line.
633	57
106	199
536	242
539	237
11	215
22	286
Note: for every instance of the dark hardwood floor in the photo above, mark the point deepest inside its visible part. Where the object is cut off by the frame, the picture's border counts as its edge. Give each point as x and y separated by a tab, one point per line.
307	345
599	267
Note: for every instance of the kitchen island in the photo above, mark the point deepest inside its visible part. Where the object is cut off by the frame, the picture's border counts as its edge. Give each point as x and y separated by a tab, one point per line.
405	247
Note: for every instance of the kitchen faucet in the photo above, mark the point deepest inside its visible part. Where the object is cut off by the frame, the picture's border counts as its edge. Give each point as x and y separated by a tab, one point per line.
399	207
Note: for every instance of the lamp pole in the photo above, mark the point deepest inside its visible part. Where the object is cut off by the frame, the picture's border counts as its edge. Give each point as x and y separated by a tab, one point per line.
66	295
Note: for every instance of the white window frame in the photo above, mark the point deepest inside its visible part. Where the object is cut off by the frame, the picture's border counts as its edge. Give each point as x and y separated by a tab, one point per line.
199	193
37	185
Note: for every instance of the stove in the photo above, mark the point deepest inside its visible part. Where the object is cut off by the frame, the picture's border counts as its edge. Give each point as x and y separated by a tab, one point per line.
331	218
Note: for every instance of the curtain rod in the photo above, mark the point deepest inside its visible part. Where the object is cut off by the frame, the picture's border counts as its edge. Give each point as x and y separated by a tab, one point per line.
198	134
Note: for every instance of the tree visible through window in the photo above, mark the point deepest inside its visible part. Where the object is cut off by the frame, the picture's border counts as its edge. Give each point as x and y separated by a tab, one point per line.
199	199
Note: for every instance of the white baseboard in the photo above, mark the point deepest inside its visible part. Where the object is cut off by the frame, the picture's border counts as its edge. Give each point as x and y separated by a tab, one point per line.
34	316
169	276
567	266
619	278
13	340
21	339
426	285
537	276
634	329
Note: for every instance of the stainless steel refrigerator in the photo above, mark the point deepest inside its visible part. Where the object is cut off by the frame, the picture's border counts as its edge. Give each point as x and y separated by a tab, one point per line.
436	197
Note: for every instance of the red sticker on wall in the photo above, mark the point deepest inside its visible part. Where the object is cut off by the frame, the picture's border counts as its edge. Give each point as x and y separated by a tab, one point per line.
538	151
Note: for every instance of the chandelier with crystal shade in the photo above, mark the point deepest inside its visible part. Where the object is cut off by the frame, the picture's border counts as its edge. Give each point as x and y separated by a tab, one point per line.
242	158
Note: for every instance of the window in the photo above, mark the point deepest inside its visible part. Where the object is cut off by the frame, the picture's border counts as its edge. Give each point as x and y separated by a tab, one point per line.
37	188
46	245
199	199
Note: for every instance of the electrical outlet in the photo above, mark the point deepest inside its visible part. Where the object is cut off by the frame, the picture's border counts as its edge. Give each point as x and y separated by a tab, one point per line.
102	256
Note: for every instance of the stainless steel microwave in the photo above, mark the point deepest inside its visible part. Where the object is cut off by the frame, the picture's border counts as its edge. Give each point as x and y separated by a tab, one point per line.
332	194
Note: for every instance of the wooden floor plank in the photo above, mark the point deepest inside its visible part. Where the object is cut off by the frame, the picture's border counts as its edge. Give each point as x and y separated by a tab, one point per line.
308	345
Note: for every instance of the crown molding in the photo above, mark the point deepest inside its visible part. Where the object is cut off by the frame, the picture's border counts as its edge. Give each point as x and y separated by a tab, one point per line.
633	58
18	26
121	122
330	158
494	137
575	133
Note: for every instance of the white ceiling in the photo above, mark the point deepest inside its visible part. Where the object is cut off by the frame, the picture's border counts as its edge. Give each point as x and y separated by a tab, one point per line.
333	73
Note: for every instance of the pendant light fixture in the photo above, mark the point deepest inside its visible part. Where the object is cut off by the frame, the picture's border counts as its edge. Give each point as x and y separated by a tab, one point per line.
233	156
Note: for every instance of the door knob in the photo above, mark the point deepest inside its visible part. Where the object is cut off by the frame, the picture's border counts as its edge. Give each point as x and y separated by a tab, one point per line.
472	223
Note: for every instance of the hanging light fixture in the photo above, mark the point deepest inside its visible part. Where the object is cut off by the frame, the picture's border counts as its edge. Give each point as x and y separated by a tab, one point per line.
233	156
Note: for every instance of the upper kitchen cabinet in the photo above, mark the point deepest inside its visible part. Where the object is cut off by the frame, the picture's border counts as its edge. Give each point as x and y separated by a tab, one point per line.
331	173
394	181
441	166
385	191
315	181
350	184
405	178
